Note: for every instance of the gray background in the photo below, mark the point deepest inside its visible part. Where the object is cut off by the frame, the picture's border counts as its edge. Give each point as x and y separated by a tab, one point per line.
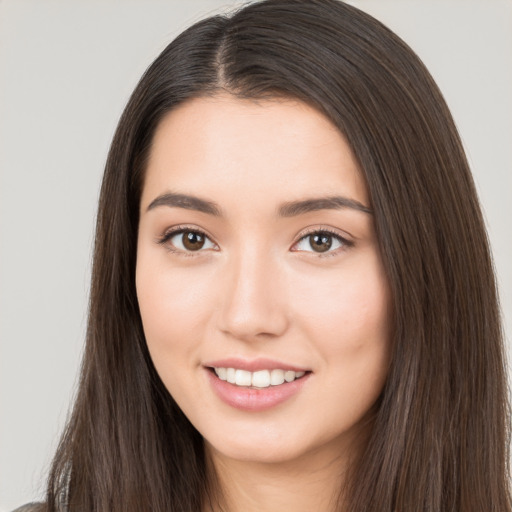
66	70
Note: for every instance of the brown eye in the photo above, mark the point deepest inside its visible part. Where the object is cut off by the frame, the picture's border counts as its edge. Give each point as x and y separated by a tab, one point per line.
192	241
320	242
186	241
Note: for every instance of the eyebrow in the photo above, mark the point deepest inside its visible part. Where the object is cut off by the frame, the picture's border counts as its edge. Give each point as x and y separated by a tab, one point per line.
186	201
288	209
293	208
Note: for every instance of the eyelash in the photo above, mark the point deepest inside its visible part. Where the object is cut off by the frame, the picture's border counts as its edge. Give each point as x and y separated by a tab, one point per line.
163	240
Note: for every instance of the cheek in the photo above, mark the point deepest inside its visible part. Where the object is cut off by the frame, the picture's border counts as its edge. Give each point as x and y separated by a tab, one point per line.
175	306
346	309
347	316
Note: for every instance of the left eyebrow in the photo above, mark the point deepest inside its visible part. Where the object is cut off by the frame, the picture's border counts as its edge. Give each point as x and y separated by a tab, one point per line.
293	208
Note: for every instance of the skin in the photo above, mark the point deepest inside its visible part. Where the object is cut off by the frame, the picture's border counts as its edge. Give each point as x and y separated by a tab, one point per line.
259	288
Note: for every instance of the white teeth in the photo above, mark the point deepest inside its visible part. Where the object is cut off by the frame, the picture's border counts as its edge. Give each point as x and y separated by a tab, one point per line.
259	379
289	376
222	373
243	378
276	377
230	375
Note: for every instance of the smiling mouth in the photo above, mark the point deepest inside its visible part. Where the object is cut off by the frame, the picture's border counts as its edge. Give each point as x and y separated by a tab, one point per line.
258	380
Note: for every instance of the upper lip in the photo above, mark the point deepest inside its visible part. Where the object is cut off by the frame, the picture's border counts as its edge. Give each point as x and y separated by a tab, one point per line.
254	365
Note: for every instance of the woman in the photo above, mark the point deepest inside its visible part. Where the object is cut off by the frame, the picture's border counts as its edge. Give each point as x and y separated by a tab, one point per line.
293	305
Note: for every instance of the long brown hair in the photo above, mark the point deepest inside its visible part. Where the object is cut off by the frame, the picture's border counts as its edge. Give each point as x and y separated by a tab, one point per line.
439	438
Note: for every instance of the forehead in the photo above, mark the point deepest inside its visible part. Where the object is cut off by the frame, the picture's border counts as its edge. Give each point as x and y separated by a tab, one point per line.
245	149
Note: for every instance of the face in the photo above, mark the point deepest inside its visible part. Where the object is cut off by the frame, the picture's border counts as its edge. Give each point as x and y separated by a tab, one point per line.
263	299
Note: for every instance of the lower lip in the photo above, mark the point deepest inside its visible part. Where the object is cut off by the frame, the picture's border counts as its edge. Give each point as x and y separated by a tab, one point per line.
252	399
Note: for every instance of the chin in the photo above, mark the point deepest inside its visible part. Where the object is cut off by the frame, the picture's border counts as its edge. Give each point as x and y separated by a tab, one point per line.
261	450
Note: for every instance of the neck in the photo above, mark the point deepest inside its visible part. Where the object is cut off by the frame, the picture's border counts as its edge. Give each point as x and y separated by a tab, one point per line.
313	482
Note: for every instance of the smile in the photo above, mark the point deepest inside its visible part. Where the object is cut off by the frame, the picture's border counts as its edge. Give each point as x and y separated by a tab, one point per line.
257	379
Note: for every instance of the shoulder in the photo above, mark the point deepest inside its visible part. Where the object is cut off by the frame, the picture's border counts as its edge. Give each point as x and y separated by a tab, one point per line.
31	507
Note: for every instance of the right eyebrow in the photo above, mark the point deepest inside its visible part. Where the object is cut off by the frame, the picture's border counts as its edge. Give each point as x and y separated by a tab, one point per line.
172	199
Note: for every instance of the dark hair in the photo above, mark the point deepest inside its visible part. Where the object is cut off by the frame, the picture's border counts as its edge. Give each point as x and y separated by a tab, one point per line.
439	439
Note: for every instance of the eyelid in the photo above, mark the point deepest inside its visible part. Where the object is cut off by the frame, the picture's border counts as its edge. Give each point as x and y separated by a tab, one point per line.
346	242
181	228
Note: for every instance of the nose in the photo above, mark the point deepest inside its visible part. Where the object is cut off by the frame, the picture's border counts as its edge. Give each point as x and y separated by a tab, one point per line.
254	305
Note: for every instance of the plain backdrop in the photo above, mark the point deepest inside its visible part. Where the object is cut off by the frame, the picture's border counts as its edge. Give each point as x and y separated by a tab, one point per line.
66	70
